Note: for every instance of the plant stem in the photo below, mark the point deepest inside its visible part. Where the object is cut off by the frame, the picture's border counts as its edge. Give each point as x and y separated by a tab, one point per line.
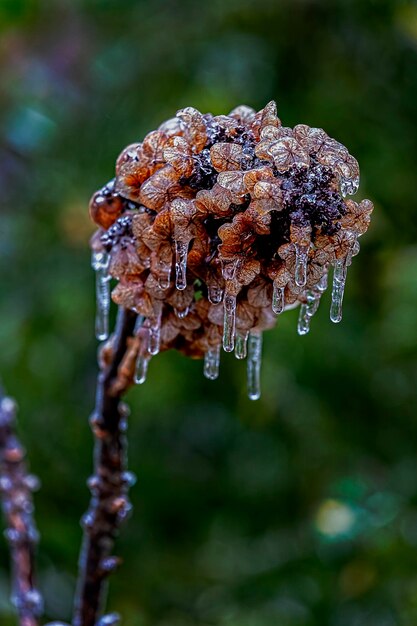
109	485
16	486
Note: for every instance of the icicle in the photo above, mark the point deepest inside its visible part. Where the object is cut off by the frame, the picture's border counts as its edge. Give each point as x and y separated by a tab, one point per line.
339	280
211	363
154	340
181	251
141	370
322	284
181	313
100	264
307	311
164	279
303	325
241	345
138	324
278	299
254	365
229	322
301	260
229	269
215	294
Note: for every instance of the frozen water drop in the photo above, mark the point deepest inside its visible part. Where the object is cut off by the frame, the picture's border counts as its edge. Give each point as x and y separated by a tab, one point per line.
141	370
181	251
349	186
278	299
229	322
182	313
338	288
100	264
215	294
212	363
164	276
301	260
241	345
254	365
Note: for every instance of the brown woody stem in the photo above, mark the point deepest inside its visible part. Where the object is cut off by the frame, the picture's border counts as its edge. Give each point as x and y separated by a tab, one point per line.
109	485
16	486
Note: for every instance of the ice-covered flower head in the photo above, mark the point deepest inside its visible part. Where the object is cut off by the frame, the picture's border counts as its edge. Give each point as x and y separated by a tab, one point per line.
214	225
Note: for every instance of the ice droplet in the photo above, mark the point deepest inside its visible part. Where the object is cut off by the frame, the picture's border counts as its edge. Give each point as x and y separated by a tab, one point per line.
212	363
278	299
181	251
229	322
301	260
181	313
241	345
164	277
215	294
338	288
141	370
254	365
100	264
349	186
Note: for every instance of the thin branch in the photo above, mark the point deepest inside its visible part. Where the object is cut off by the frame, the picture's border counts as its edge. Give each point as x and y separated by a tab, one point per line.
109	485
16	486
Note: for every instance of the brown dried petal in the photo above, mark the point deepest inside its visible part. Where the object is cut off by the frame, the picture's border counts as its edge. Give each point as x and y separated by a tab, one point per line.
195	130
226	156
288	152
216	200
251	177
105	208
177	152
243	114
154	192
233	181
183	213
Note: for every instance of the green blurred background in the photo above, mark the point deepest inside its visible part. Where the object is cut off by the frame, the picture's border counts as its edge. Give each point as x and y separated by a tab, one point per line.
299	509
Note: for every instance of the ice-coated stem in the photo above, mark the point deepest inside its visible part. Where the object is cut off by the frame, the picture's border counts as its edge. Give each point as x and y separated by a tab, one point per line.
301	260
338	288
109	485
241	345
229	304
100	264
254	365
278	298
16	486
212	363
181	251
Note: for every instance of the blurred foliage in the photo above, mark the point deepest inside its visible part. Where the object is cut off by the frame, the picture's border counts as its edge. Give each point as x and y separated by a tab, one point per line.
300	509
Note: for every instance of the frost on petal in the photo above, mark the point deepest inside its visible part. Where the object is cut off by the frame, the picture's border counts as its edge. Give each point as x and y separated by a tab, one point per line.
226	156
154	192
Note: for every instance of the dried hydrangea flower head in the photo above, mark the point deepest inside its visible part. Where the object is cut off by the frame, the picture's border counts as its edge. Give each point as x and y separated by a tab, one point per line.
214	225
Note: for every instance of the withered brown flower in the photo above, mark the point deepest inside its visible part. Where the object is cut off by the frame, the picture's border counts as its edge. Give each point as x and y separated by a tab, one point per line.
215	225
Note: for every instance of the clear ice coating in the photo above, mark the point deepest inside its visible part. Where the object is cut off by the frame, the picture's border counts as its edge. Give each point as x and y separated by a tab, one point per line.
141	369
215	294
229	322
241	345
100	264
181	251
301	260
338	288
229	269
322	284
154	341
349	186
278	299
212	363
254	365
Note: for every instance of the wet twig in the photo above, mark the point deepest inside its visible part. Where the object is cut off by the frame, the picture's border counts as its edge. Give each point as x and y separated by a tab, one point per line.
16	486
110	482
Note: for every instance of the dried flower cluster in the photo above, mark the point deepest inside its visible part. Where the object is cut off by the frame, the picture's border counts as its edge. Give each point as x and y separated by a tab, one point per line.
215	225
